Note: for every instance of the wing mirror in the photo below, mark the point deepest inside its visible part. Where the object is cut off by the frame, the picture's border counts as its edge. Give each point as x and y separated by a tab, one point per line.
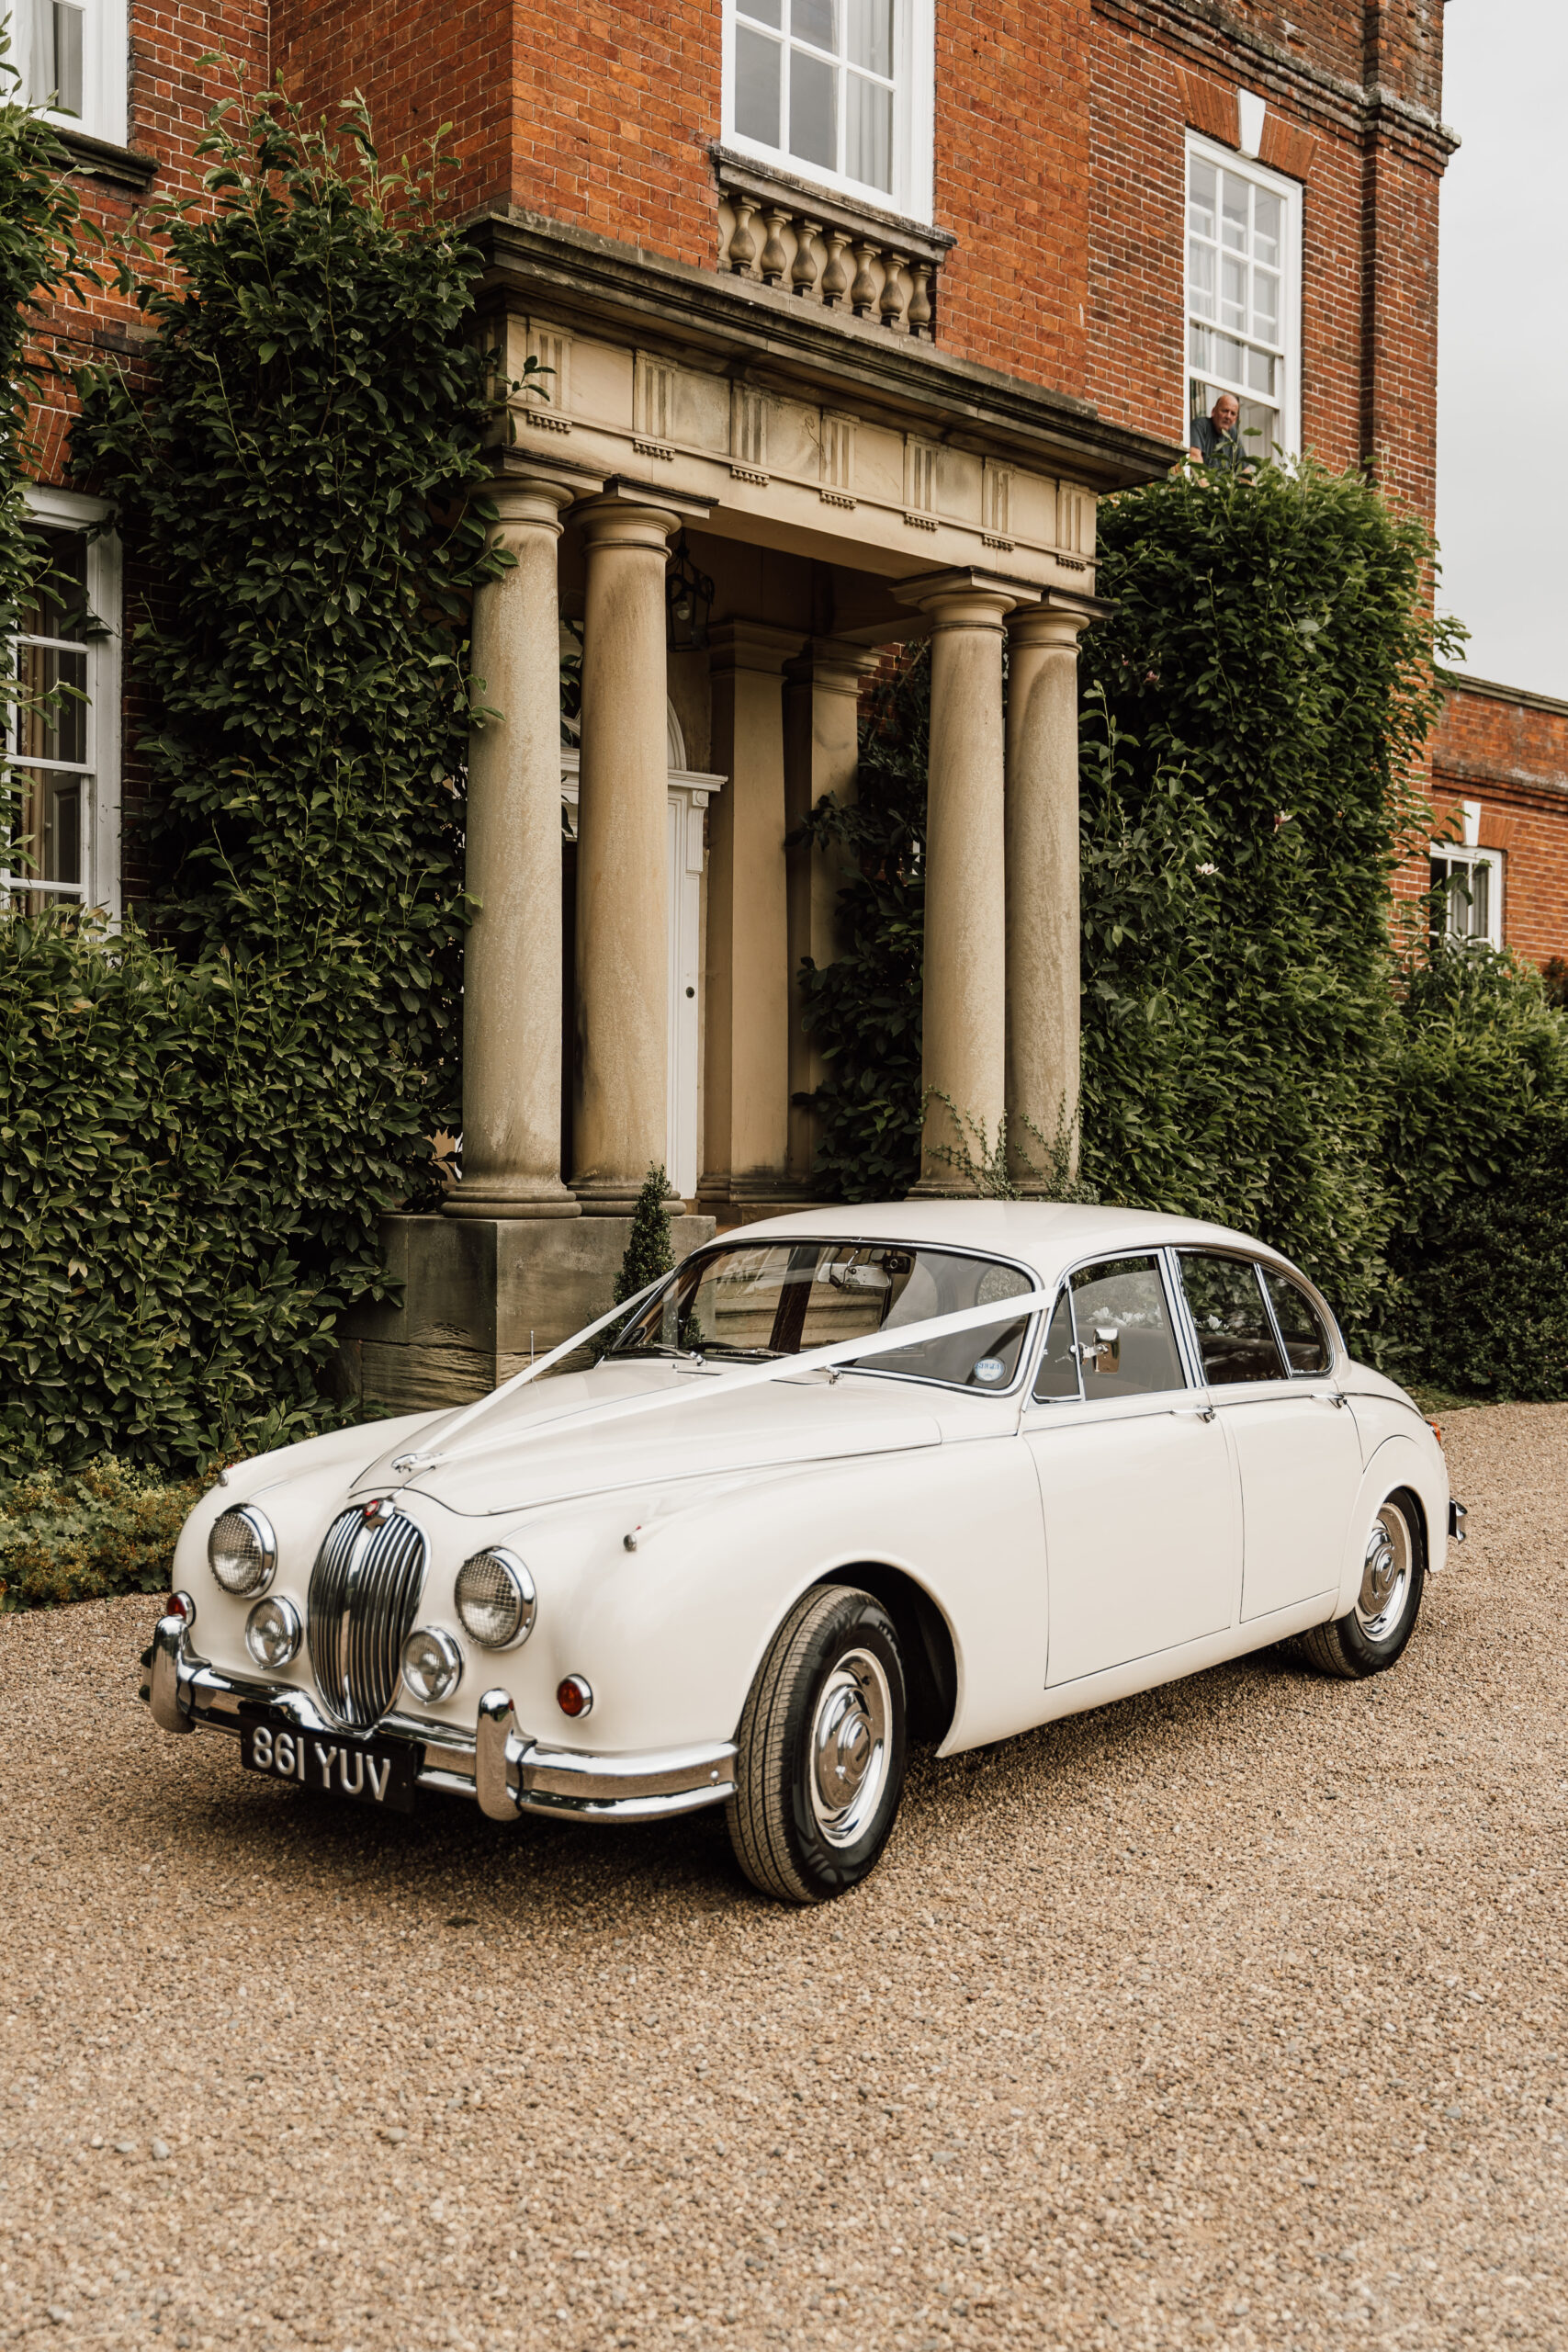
1103	1353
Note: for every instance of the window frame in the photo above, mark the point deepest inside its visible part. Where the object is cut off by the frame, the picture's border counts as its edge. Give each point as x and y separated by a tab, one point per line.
1175	1306
1226	1389
1471	854
68	509
105	91
1288	348
914	119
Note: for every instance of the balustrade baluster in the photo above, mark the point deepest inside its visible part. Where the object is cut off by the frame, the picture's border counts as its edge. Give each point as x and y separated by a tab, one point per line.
920	300
774	259
743	244
892	302
835	276
862	293
803	276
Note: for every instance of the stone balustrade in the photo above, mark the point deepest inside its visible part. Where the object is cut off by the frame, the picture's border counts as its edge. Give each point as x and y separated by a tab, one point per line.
826	249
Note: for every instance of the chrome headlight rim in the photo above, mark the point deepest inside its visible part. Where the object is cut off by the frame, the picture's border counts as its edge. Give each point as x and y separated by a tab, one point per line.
497	1557
284	1613
249	1587
451	1658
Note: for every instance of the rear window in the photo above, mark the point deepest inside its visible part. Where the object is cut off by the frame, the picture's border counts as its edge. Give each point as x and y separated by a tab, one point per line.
752	1301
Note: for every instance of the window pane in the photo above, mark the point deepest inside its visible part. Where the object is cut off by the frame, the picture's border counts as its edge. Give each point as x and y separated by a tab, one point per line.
941	1284
1229	357
1126	1341
870	32
868	131
1201	193
1260	371
765	12
1266	305
1200	280
50	728
65	69
757	87
1201	353
58	606
813	110
1266	228
1480	902
1058	1373
1234	1338
1306	1341
1234	212
815	21
1233	292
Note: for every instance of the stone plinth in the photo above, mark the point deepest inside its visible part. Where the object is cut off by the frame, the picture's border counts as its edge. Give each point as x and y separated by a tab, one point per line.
479	1293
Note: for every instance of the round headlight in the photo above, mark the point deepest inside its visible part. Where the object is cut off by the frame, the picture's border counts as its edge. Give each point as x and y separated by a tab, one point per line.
432	1664
241	1551
496	1601
272	1632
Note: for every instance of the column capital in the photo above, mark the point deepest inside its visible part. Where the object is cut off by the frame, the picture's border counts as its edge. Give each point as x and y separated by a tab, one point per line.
964	597
612	521
1058	618
751	645
533	499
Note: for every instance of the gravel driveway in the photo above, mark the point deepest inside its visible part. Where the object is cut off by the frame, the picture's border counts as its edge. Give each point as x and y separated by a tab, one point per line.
1231	2014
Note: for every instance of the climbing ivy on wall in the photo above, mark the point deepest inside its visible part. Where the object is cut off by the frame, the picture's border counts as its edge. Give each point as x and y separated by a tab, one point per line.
258	1081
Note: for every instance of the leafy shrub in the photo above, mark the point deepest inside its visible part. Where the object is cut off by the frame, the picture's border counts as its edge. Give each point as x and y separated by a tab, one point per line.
196	1146
649	1252
108	1528
192	1162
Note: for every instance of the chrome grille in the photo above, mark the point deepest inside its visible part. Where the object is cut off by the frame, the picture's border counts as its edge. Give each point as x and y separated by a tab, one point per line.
365	1589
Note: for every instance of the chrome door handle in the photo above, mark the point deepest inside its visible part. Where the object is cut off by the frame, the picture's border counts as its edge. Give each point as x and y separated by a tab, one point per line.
1192	1412
1322	1398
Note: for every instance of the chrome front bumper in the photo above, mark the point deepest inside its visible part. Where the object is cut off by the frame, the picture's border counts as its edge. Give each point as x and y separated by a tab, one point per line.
504	1770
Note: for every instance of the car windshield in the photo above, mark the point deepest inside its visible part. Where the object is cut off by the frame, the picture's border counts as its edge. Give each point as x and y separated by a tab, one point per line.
756	1300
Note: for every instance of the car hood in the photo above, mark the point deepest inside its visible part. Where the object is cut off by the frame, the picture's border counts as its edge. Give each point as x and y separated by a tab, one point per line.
560	1437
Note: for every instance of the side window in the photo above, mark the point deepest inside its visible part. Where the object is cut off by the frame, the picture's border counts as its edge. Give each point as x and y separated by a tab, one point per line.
1236	1338
1126	1341
1058	1373
1300	1327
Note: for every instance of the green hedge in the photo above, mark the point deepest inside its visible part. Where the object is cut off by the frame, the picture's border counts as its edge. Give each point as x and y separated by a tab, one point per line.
109	1528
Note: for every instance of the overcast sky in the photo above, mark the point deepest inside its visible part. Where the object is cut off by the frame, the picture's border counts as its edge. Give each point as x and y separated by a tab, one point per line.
1503	340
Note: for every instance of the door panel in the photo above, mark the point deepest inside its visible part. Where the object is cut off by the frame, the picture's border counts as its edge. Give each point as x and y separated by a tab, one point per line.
1300	1460
1143	1535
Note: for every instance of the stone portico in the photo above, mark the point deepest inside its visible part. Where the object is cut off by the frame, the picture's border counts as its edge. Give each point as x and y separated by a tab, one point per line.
834	484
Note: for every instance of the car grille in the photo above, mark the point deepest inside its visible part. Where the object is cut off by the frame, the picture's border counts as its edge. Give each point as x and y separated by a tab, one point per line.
365	1589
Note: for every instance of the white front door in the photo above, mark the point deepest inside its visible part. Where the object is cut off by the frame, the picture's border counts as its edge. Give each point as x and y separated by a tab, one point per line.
1143	1534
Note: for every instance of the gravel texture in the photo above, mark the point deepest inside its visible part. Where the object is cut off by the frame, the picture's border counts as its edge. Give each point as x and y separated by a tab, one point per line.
1234	2014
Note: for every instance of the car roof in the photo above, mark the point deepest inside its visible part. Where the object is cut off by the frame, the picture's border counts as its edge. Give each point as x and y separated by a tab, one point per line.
1048	1235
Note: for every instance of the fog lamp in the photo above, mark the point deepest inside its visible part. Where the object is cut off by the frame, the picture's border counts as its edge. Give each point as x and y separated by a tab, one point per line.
241	1551
496	1601
271	1631
432	1664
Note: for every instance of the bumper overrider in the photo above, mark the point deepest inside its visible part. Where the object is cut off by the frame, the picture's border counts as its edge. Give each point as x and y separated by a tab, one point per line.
498	1765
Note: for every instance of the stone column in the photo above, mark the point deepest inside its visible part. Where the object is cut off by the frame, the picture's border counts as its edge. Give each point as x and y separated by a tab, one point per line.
1043	898
821	755
964	999
621	1110
746	1054
511	959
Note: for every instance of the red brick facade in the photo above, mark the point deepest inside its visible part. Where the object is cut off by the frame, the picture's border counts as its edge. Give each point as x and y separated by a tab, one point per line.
1508	751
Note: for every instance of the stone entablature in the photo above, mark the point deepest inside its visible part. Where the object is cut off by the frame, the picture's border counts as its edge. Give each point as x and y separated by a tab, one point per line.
849	485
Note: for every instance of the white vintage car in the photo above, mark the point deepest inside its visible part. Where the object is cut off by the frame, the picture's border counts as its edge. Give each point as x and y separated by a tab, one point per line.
944	1470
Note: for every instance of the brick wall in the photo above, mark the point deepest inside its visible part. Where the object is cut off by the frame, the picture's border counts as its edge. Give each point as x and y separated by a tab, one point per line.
1508	750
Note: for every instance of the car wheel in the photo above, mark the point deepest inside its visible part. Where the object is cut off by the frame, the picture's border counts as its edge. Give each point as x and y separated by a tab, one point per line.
820	1766
1373	1635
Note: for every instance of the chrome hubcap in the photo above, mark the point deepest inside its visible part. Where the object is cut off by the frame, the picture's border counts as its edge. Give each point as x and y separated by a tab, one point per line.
849	1748
1385	1575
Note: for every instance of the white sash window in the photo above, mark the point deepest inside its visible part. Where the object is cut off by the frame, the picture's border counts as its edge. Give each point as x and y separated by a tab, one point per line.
836	91
72	54
1244	295
60	818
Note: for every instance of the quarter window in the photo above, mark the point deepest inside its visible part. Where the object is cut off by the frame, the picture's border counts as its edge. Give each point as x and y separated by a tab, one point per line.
1236	1334
1300	1327
840	90
1242	294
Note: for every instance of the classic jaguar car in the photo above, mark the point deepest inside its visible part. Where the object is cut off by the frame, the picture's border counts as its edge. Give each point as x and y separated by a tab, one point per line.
939	1470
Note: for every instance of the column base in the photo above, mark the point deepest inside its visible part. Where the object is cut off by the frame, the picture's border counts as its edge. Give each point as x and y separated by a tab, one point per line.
611	1197
747	1200
502	1197
480	1296
942	1188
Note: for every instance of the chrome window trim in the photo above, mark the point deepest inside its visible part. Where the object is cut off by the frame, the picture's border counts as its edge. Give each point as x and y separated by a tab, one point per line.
1329	1332
1338	1351
1036	1292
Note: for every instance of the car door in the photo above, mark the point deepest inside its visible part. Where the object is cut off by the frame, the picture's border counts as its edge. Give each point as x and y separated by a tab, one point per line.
1138	1487
1297	1452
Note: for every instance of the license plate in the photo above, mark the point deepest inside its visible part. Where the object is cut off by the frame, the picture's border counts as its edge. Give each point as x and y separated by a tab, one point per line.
367	1771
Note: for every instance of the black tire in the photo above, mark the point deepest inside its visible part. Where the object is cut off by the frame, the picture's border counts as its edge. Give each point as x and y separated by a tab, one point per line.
830	1691
1373	1635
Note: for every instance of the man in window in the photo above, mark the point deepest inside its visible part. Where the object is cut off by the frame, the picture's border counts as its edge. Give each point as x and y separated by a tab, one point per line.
1216	442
